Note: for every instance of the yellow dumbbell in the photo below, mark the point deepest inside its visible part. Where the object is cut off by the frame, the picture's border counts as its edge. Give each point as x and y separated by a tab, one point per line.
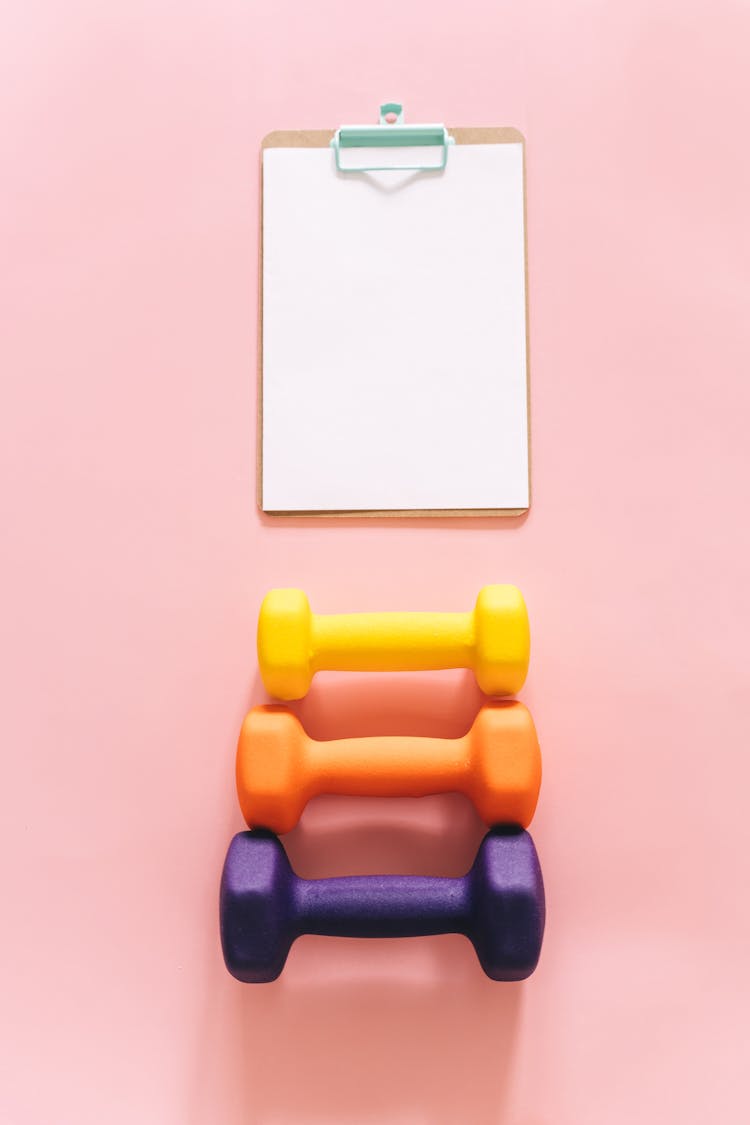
294	643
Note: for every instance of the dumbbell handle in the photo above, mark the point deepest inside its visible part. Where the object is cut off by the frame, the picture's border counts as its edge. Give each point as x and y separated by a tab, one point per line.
401	642
391	766
381	906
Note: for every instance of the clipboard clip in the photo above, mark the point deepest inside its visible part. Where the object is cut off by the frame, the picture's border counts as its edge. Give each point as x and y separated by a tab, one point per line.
391	132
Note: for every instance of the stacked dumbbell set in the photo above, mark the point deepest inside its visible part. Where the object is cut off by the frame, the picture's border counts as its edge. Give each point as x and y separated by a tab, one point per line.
499	903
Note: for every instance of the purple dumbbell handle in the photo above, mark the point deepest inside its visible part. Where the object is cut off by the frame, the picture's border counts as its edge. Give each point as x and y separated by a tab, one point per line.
381	906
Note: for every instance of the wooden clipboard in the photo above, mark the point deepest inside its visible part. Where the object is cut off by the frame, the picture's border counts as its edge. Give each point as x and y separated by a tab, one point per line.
322	138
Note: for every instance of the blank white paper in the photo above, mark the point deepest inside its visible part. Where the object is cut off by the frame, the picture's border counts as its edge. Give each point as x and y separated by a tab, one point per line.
394	334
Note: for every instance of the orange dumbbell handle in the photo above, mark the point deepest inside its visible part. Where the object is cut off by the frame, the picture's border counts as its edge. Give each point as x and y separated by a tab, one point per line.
387	766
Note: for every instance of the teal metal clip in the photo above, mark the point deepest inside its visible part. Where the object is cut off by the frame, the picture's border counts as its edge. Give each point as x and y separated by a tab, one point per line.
391	132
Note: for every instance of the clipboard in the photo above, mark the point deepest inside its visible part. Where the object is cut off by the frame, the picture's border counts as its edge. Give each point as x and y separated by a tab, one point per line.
356	152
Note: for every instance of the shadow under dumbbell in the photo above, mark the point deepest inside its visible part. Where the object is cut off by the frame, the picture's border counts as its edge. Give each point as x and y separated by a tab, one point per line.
359	1031
434	704
375	835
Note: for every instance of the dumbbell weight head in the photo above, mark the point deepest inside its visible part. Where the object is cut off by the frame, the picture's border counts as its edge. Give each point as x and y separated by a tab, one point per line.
257	887
506	764
508	908
501	640
271	768
285	643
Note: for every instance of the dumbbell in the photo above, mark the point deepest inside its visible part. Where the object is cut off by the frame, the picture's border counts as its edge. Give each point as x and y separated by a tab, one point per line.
279	767
294	643
498	905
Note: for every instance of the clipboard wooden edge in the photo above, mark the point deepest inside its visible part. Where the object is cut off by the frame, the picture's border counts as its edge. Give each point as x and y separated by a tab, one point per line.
321	138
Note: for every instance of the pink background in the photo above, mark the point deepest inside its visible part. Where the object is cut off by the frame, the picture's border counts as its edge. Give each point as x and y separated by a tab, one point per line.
134	562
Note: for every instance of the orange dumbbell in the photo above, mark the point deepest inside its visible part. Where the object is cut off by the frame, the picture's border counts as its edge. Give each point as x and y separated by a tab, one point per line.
497	764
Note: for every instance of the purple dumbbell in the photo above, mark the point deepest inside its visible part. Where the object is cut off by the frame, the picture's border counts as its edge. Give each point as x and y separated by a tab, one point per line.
498	905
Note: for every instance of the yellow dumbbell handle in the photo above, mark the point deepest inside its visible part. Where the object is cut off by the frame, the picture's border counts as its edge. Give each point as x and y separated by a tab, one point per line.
398	642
